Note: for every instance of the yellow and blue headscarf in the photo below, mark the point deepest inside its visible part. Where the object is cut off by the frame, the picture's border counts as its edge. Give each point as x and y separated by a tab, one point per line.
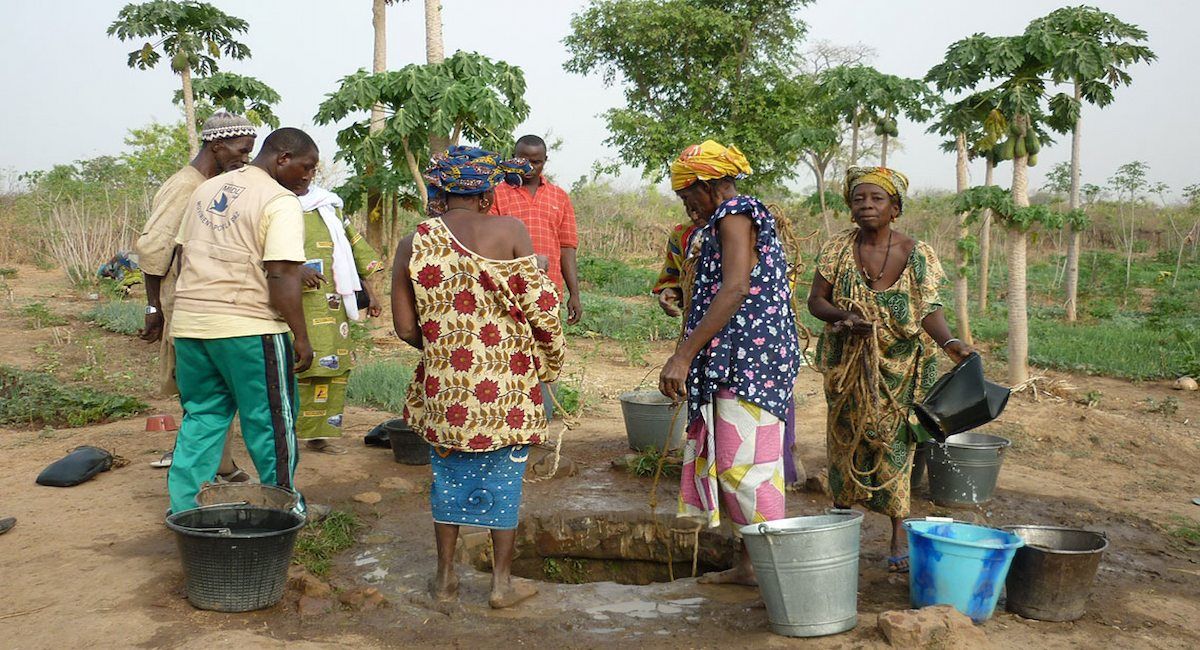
708	161
892	182
471	170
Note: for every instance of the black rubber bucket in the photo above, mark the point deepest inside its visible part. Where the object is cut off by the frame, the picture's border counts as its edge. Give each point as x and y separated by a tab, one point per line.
408	447
235	557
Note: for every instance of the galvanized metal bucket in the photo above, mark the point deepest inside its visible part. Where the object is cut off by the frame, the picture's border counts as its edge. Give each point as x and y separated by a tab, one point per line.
807	570
648	419
963	470
1051	577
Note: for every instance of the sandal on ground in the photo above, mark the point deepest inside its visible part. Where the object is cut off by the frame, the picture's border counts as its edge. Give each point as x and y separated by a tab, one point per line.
238	475
897	564
165	461
326	448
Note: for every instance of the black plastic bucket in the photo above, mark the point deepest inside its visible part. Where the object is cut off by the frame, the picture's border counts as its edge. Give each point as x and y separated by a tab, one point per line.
235	557
408	447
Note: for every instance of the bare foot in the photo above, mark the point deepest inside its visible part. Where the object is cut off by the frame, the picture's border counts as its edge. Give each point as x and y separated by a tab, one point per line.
738	575
512	593
444	589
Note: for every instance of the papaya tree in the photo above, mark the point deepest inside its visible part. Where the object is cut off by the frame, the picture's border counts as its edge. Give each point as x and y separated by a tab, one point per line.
868	97
467	95
1019	220
235	93
374	196
1013	71
193	35
974	126
1092	51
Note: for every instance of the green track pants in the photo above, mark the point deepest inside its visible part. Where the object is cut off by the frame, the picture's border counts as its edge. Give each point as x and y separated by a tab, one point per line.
249	375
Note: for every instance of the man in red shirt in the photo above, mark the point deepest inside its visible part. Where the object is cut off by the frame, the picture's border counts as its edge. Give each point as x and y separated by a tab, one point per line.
546	211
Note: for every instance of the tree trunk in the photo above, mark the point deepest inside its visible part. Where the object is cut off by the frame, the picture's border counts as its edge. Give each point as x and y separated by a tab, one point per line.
985	243
854	140
1073	236
820	173
189	112
375	232
434	50
413	169
883	151
960	279
435	53
1018	314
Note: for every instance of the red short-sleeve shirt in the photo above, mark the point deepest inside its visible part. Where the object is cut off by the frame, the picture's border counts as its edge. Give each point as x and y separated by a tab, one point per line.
548	215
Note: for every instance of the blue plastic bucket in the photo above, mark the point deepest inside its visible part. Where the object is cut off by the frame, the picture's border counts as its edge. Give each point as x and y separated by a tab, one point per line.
953	563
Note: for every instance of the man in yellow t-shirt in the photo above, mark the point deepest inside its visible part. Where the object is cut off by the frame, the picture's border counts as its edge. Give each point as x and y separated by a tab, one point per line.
237	295
228	140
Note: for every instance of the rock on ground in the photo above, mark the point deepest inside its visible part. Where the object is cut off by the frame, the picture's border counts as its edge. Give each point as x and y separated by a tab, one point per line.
369	498
400	484
940	626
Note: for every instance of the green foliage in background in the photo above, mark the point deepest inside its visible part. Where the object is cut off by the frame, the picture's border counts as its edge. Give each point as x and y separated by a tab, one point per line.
693	70
120	317
615	278
38	315
379	384
29	398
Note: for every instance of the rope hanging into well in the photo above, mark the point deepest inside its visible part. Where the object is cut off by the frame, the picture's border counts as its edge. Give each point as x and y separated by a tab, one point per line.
568	422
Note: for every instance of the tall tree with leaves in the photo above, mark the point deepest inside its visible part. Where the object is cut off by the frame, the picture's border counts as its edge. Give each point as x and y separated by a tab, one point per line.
1092	50
1016	68
193	35
1130	183
887	97
816	136
235	93
691	70
468	94
974	126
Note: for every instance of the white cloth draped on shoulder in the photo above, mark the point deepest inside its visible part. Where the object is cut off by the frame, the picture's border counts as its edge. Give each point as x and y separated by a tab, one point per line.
345	275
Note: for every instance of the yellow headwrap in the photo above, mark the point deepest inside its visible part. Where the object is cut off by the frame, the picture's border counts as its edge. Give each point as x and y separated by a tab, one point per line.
708	161
892	182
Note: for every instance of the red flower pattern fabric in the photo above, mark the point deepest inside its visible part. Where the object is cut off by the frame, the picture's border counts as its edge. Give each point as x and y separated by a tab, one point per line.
492	332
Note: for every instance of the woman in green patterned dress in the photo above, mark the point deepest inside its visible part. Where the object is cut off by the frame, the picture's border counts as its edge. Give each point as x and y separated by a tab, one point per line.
877	290
338	262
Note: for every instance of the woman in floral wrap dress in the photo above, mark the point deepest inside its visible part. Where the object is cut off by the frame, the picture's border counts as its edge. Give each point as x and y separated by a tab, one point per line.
875	281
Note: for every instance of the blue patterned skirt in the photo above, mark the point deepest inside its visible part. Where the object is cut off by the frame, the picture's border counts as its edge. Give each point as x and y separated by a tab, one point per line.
477	488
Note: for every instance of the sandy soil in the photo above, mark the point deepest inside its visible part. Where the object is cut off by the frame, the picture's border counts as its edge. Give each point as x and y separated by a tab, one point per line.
94	565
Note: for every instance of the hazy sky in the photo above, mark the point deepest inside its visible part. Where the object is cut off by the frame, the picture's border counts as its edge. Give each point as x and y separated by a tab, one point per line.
71	96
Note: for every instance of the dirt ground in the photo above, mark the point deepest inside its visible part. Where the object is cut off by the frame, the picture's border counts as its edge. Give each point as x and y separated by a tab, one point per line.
94	564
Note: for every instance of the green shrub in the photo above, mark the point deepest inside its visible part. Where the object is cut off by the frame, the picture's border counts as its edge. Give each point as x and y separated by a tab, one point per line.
39	315
379	384
120	317
1102	309
615	278
29	398
7	272
624	320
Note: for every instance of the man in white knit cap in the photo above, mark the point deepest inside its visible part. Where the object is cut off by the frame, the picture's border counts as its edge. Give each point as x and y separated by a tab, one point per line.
227	142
